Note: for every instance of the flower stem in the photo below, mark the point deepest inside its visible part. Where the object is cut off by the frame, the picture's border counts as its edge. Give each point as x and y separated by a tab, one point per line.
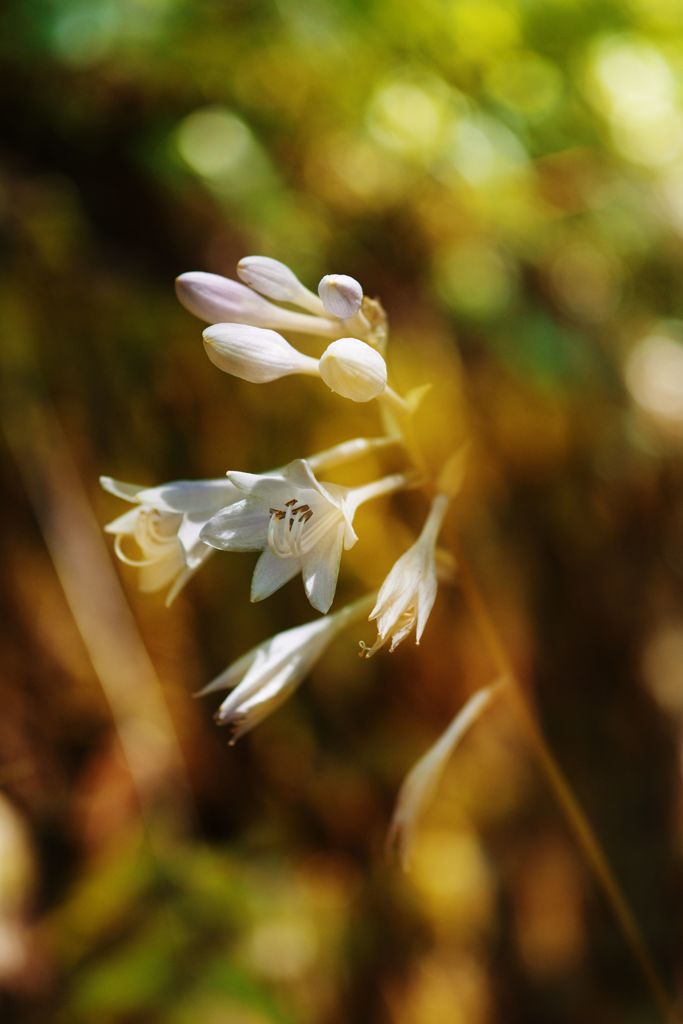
403	416
347	451
377	488
558	782
432	524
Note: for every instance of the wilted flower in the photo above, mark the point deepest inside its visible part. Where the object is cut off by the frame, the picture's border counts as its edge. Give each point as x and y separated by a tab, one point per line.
299	523
420	785
164	525
267	675
407	596
352	369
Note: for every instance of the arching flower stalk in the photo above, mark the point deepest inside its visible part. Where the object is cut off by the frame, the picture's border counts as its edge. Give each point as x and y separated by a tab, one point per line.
298	522
302	525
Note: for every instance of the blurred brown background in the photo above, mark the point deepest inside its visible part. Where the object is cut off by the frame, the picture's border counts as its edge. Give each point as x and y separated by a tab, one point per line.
508	177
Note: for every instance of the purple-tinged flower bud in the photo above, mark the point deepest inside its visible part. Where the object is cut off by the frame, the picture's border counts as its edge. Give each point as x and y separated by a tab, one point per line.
341	295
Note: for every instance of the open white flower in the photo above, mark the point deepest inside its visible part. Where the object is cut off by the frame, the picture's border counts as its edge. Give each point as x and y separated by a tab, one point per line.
407	596
299	524
419	786
266	676
164	526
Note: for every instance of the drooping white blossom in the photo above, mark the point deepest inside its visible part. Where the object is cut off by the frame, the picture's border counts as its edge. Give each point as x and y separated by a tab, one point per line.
353	369
268	674
407	596
255	354
420	785
298	523
163	528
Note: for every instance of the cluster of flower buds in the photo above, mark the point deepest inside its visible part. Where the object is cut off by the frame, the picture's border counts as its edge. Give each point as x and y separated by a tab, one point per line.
298	522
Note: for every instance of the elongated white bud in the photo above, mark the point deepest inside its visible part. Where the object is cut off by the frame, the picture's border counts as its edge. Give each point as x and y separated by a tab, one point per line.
353	369
254	353
341	295
217	299
276	281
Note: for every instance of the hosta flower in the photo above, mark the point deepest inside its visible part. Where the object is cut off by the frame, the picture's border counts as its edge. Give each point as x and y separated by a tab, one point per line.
160	534
266	676
407	596
419	786
299	524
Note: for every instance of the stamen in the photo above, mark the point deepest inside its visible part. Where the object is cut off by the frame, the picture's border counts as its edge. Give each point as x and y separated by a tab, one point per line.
286	542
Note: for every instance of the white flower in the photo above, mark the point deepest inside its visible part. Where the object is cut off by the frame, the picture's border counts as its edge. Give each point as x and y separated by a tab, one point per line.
353	369
276	281
254	353
407	596
164	525
266	676
218	299
300	524
420	785
341	295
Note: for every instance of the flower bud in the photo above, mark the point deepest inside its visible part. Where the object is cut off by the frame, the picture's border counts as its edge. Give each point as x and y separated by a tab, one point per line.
353	369
341	295
253	353
217	299
276	281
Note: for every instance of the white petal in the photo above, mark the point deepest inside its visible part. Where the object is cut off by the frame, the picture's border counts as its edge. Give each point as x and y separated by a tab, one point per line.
230	676
190	495
124	523
320	569
426	598
159	574
271	573
186	575
189	531
129	492
268	488
239	527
